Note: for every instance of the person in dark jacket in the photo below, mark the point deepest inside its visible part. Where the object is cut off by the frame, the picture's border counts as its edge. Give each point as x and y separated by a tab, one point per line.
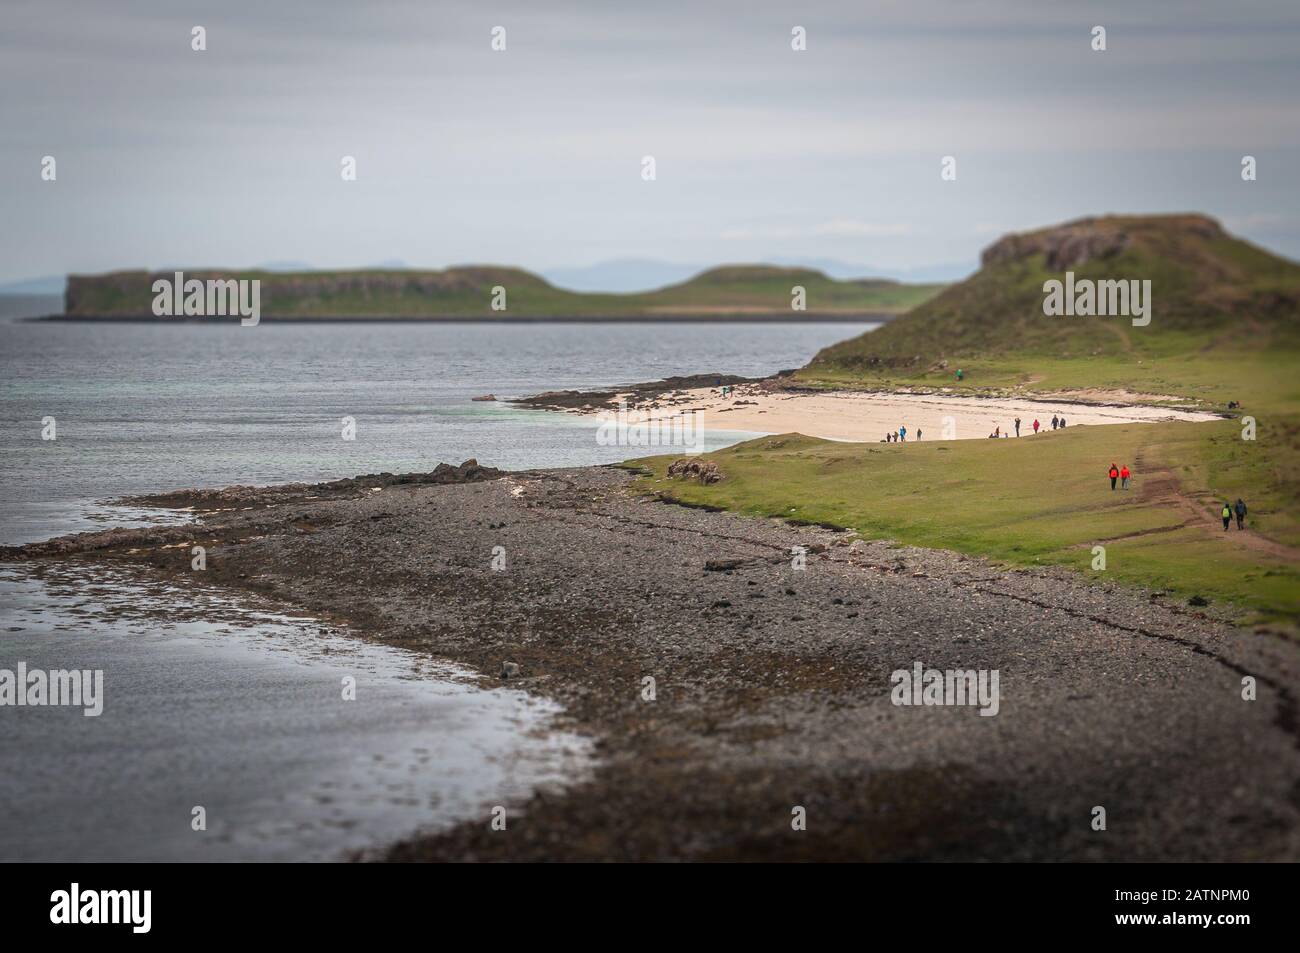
1240	510
1113	474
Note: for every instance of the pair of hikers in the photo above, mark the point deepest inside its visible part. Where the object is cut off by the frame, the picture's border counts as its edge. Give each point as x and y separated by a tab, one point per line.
1057	422
1119	473
1239	511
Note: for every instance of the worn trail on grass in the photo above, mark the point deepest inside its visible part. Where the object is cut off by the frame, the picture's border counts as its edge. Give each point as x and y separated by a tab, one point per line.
1161	486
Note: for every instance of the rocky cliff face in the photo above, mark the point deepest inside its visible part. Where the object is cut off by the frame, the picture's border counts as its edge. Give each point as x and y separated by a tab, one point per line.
1076	243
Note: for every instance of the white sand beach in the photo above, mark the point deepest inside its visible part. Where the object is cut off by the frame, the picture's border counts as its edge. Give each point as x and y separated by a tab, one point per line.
865	417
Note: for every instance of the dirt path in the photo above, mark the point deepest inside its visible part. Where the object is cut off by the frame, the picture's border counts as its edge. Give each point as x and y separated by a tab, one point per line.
1161	486
772	686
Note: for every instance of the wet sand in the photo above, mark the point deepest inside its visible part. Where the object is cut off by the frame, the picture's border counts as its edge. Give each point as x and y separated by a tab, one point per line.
772	685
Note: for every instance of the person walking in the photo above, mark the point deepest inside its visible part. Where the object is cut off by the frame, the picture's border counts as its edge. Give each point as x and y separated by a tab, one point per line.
1053	421
1035	425
1240	511
1227	515
1062	423
902	433
1113	473
918	433
1017	426
1123	477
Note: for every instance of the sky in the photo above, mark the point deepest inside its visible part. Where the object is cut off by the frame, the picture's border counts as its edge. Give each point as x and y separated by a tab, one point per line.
533	156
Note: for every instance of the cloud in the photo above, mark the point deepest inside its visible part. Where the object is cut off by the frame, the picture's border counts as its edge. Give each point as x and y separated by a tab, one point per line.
836	228
1264	222
533	155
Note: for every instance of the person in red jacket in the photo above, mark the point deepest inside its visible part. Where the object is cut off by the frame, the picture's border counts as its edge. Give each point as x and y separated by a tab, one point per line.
1035	425
1113	474
1123	477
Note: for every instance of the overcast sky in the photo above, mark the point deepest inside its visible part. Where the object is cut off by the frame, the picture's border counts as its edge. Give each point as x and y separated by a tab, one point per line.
532	156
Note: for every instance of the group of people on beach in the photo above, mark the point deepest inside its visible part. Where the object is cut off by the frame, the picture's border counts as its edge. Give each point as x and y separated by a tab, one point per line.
900	435
1058	423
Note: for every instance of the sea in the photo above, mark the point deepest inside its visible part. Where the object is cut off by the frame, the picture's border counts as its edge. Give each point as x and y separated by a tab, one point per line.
224	733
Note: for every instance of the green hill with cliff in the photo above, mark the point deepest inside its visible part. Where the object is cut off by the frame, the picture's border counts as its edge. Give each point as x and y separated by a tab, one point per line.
1218	303
1223	333
466	293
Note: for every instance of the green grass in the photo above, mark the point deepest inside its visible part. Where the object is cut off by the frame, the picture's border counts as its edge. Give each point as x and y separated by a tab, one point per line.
1216	301
1224	328
1040	501
467	292
1260	379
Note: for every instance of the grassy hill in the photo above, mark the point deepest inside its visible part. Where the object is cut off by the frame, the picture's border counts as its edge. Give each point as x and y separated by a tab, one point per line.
1224	327
1216	300
466	292
1044	501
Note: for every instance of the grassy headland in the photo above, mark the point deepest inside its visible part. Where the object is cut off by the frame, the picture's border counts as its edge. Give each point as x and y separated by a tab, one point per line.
1219	305
1224	328
758	291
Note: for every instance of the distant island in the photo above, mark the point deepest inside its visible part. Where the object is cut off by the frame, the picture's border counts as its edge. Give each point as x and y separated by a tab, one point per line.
467	293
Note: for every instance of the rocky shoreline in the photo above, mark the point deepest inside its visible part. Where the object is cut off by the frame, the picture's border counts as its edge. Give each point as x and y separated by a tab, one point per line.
649	394
771	684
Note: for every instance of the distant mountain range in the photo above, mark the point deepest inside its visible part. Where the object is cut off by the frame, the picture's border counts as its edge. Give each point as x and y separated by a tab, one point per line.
467	292
49	285
646	274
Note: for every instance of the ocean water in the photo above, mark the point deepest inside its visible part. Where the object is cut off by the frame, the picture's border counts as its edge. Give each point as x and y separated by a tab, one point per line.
147	407
217	701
